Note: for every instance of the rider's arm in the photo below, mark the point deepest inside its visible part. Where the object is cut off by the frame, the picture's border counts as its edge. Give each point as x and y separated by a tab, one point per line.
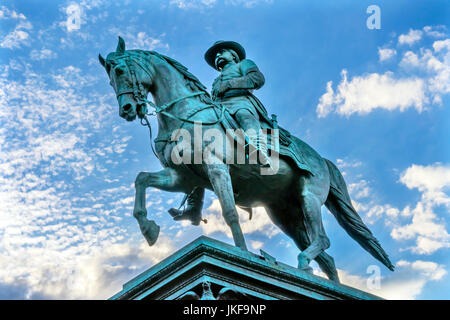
252	78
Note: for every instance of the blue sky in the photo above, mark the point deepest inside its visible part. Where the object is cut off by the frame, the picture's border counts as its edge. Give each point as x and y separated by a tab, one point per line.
375	102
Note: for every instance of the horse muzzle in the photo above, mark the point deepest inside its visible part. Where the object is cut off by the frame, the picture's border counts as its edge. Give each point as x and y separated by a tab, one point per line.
127	108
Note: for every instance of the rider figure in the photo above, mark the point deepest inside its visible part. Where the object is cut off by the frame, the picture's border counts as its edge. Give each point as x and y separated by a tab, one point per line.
232	88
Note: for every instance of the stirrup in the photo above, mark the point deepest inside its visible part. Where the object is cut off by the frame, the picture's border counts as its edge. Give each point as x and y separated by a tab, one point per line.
192	212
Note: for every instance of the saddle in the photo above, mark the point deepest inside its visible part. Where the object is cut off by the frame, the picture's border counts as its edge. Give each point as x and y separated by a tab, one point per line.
288	145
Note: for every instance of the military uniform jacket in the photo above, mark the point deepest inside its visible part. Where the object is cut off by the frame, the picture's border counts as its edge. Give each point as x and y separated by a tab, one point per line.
240	80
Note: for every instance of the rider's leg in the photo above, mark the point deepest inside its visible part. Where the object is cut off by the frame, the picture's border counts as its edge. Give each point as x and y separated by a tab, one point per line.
248	122
193	211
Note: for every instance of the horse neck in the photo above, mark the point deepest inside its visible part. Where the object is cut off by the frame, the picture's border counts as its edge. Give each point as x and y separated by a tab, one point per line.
168	85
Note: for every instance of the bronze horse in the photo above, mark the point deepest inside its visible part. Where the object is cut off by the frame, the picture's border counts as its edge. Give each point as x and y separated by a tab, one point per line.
292	197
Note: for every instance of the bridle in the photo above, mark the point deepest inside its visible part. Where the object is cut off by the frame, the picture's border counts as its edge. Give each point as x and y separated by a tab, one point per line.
138	89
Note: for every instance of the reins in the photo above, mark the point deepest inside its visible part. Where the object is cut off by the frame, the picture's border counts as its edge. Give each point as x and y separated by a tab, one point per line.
139	95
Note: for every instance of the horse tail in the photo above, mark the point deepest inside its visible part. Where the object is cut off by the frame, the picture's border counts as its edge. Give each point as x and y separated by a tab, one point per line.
339	203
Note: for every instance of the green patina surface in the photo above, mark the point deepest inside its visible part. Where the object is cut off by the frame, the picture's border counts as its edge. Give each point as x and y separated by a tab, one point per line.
292	194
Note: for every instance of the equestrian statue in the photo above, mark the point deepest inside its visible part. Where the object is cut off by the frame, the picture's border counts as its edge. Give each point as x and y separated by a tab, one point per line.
288	178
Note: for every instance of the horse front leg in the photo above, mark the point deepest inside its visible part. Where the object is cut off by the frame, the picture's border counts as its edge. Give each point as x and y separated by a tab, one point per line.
220	179
166	180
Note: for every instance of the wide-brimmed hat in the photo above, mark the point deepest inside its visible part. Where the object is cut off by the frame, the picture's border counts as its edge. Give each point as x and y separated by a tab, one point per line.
210	55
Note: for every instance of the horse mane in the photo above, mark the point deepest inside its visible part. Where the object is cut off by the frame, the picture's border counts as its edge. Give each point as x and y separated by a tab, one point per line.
192	81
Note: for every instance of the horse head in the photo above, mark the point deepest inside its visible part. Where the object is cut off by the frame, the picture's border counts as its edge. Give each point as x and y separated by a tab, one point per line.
130	80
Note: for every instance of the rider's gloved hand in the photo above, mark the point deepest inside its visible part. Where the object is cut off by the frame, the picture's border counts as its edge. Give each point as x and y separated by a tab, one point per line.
220	88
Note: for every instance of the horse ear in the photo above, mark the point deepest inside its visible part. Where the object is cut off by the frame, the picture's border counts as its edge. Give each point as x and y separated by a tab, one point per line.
120	46
102	60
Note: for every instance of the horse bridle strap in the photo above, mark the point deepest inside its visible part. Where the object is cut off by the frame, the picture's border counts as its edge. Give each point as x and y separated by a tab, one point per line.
162	108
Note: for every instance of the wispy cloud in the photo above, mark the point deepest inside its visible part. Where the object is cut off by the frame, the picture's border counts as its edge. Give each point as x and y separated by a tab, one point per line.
140	39
19	36
202	4
193	4
420	222
260	222
411	37
43	54
407	283
48	226
386	54
425	226
6	13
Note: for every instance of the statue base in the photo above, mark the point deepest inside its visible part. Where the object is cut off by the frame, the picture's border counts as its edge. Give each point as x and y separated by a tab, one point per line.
230	273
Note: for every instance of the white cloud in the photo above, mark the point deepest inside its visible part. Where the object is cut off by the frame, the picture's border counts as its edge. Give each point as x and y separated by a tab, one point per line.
426	245
326	101
359	189
139	39
435	64
14	39
89	271
145	42
441	44
345	163
260	222
375	212
421	222
200	4
6	13
429	269
363	94
57	240
193	4
411	37
256	245
43	54
424	80
18	37
425	226
406	283
435	31
386	54
248	3
427	178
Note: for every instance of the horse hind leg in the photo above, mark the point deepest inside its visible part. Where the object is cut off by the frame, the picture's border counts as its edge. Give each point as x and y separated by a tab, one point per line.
310	204
323	259
326	264
290	221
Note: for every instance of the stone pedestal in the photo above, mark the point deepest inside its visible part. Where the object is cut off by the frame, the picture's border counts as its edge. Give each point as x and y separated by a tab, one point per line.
208	269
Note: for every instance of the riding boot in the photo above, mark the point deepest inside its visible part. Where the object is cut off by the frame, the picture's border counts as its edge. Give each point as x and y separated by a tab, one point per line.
256	145
193	210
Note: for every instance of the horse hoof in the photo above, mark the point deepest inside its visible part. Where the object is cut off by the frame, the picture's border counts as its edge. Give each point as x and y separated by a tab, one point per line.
307	269
150	230
335	279
303	264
